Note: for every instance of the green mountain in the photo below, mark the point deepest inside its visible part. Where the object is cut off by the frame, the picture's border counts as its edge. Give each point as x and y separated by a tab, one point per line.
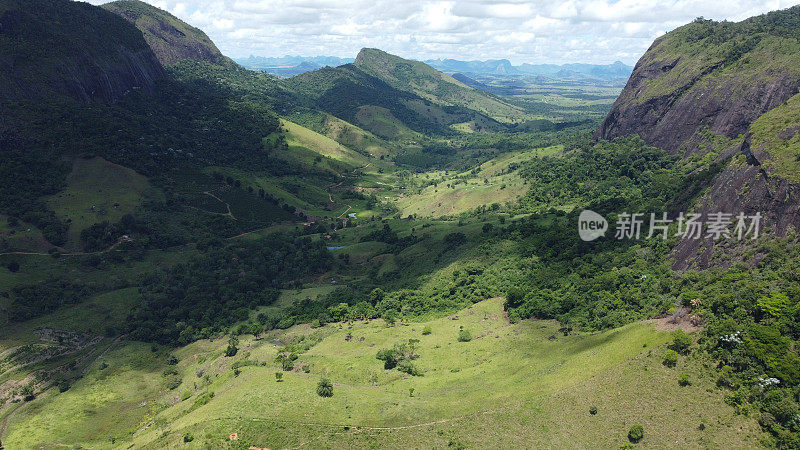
64	49
171	39
373	103
728	91
706	75
430	84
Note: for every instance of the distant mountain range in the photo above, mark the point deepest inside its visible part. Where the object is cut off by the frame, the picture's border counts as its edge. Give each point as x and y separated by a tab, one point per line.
287	66
614	71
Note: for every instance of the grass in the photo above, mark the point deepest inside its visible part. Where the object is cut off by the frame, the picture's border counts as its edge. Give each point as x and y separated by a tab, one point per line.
97	191
492	182
323	145
512	385
777	132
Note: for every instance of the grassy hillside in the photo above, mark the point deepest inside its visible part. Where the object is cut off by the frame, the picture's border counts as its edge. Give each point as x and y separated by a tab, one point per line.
474	393
432	85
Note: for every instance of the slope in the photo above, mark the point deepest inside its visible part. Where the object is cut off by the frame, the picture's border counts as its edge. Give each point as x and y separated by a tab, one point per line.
57	49
430	84
171	39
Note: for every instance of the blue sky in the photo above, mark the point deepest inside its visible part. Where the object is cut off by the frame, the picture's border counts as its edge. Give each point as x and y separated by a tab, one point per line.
592	31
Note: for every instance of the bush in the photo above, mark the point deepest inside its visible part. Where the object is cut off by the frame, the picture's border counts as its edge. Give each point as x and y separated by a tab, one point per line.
670	358
683	379
232	349
187	437
325	388
636	433
426	331
185	395
278	376
464	335
13	267
27	393
593	410
681	342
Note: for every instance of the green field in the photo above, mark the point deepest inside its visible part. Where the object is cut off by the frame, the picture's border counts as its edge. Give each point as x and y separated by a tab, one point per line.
97	191
453	194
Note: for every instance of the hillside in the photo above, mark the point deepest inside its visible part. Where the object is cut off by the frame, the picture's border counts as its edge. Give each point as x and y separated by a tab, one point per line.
171	39
426	82
719	76
58	49
727	90
373	103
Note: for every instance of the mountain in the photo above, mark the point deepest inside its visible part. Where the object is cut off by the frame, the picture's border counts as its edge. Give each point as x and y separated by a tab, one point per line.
372	103
65	49
728	91
427	82
287	66
490	67
171	39
607	72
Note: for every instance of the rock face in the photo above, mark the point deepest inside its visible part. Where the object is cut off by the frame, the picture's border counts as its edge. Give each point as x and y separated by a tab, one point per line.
707	75
171	39
736	81
65	49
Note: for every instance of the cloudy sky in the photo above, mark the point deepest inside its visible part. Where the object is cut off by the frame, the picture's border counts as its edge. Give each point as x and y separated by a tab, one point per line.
542	31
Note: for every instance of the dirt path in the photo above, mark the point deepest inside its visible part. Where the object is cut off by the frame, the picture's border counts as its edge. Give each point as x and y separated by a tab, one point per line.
345	211
116	340
227	206
362	167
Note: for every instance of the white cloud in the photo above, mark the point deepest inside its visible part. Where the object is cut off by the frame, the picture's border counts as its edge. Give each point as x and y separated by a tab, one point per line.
537	31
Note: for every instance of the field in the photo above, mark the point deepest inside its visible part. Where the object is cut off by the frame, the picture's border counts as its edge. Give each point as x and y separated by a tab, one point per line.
523	384
97	191
494	181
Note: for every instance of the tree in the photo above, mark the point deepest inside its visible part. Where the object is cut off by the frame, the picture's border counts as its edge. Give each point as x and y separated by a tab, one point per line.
325	388
670	358
464	335
232	346
636	433
683	379
13	267
681	342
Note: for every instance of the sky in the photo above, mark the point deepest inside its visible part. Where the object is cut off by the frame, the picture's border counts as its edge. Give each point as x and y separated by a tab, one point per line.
543	31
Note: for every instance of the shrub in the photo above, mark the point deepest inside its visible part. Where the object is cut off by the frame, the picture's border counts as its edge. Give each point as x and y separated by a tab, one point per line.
325	388
670	358
593	410
406	366
681	342
13	267
636	433
203	398
683	379
464	335
426	331
187	437
278	376
232	349
185	395
27	393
